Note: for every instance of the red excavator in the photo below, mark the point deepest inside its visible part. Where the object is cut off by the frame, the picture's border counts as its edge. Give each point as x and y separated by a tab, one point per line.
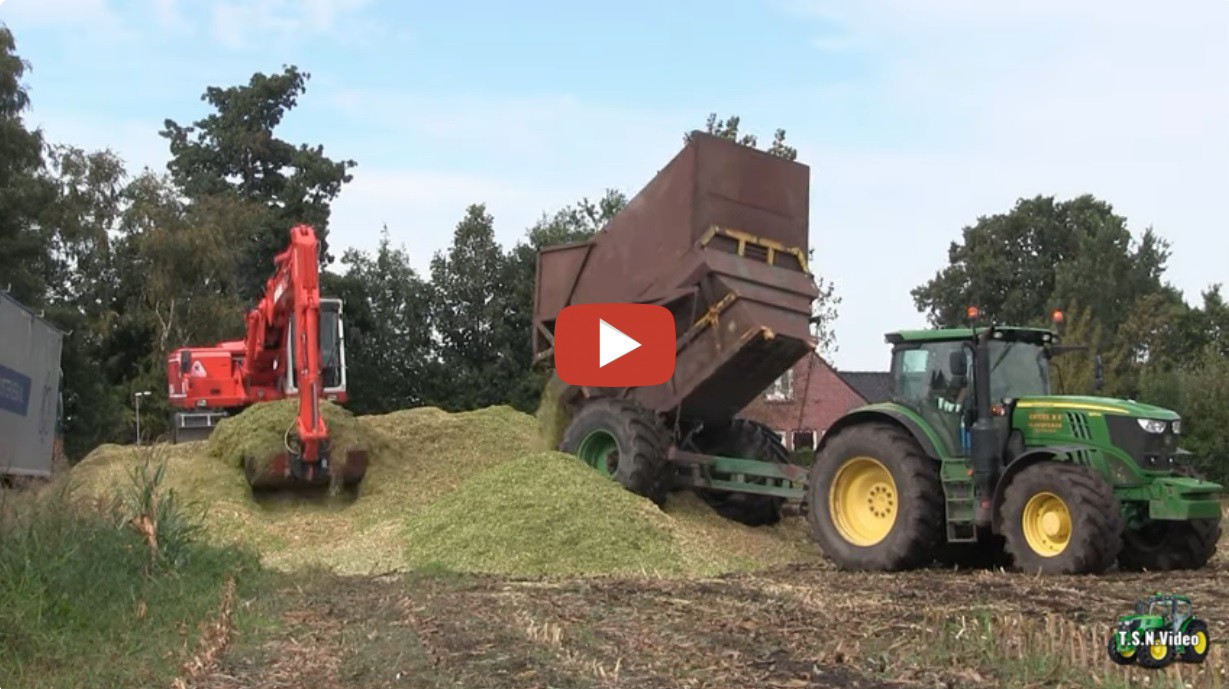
293	349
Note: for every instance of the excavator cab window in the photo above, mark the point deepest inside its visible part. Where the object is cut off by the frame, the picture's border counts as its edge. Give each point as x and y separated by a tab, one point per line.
330	343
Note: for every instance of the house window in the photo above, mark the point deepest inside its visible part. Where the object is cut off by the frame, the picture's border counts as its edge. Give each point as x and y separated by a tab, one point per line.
782	389
803	440
783	437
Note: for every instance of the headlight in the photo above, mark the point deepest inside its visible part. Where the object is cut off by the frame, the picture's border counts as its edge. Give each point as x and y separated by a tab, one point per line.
1152	425
1178	427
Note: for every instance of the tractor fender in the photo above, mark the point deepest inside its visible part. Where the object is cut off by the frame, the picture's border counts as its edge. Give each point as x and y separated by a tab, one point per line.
1020	463
881	414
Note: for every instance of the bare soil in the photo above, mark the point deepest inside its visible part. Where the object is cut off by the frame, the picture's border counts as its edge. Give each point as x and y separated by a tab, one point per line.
799	627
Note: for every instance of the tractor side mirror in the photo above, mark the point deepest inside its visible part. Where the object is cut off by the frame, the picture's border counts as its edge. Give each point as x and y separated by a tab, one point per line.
1098	373
185	362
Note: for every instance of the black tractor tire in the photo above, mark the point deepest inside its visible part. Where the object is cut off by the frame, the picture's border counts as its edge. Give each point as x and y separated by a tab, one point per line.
1118	658
638	460
1143	656
744	439
1095	519
916	527
1166	546
1189	653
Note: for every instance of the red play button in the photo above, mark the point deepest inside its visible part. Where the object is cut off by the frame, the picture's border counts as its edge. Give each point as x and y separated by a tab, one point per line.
614	345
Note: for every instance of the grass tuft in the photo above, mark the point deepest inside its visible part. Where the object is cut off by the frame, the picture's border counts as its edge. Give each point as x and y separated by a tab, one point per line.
80	585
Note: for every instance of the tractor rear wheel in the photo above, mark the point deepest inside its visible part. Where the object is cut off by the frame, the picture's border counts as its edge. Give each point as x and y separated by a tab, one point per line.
1061	518
875	500
624	441
744	439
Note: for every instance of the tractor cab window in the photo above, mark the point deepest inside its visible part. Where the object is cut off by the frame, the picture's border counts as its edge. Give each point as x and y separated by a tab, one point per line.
1163	608
1018	369
923	379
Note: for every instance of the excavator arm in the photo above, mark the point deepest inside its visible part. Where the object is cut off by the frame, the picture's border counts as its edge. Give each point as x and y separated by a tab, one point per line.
292	296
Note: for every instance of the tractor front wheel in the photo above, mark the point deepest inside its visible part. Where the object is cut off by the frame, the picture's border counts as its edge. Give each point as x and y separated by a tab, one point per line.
1197	651
1157	655
624	441
1061	518
875	501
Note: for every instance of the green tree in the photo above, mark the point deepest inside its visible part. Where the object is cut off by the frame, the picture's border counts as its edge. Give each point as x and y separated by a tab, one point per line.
1018	266
729	129
233	152
468	308
390	363
23	190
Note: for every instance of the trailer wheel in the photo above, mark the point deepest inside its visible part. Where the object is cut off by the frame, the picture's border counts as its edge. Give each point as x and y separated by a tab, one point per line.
875	500
625	442
1061	518
747	439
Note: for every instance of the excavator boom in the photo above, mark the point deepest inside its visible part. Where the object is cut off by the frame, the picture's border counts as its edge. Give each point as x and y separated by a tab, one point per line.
292	348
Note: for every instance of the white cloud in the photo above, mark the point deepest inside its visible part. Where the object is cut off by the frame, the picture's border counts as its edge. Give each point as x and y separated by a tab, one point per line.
1122	100
236	23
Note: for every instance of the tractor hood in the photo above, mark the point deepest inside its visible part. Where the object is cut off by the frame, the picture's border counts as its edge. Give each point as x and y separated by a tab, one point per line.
1104	405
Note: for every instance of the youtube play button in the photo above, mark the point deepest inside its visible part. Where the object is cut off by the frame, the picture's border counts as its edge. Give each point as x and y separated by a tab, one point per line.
614	345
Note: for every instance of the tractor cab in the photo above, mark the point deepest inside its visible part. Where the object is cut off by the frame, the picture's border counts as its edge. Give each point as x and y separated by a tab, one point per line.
934	372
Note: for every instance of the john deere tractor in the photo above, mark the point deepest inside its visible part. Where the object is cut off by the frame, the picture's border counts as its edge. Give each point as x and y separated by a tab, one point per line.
1164	628
975	461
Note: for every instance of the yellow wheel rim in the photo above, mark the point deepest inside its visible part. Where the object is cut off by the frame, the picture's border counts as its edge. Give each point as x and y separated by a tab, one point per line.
1046	523
1127	653
1201	642
1157	651
863	501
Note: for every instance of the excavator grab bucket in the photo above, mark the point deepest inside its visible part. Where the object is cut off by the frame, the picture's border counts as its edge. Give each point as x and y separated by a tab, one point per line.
282	470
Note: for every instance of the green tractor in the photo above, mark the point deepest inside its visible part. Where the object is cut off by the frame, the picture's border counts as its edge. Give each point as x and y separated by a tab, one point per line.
975	462
1162	629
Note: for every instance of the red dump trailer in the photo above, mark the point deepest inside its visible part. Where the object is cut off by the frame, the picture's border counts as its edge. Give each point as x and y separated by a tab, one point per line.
718	237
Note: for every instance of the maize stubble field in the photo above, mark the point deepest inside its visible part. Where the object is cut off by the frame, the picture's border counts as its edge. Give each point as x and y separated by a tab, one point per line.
474	556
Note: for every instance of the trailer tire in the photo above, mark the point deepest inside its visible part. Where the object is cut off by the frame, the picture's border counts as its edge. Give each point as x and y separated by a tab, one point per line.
1061	518
624	441
904	523
747	439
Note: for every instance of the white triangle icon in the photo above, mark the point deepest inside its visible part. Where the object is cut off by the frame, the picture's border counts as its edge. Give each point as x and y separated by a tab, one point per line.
612	344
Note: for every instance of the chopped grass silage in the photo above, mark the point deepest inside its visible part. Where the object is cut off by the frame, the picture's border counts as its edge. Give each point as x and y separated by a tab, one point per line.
544	513
436	483
260	431
552	414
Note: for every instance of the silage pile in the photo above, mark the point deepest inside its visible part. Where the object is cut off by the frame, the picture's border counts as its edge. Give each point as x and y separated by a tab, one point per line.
474	491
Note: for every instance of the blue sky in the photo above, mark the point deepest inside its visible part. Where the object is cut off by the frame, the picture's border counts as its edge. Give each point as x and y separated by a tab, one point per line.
916	117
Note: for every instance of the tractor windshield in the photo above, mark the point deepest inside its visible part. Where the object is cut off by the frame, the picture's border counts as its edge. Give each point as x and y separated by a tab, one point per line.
1018	369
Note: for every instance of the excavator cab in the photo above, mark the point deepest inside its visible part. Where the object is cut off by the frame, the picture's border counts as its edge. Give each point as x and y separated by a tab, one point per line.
332	354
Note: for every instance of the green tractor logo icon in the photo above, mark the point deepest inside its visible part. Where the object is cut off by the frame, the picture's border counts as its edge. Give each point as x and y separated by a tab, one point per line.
1162	629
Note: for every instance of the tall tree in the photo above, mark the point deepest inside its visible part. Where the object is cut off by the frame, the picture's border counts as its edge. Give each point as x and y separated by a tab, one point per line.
468	282
1043	254
390	365
233	152
23	190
